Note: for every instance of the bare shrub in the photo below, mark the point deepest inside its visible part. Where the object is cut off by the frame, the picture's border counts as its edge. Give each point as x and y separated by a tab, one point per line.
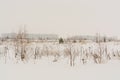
97	58
71	53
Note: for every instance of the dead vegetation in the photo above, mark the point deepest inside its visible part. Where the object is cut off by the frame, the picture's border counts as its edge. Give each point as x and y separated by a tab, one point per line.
24	50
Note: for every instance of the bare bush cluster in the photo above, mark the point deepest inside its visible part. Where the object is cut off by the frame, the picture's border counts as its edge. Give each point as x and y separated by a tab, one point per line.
21	49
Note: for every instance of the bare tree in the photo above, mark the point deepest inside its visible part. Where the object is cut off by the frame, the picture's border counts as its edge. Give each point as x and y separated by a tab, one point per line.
21	43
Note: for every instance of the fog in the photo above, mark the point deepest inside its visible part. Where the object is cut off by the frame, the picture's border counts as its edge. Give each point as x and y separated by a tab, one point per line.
63	17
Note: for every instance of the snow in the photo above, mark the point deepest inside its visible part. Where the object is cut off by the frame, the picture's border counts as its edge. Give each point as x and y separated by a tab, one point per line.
109	71
45	68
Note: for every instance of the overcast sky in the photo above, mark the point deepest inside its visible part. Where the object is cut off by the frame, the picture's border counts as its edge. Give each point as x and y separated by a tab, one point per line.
63	17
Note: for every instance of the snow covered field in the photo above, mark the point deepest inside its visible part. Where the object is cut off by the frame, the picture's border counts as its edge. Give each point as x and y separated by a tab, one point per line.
109	71
53	61
71	53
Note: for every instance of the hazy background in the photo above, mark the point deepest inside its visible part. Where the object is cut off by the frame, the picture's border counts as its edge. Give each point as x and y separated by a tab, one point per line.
63	17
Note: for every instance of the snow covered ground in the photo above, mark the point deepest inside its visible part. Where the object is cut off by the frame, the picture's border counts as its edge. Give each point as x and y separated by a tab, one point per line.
79	53
109	71
49	67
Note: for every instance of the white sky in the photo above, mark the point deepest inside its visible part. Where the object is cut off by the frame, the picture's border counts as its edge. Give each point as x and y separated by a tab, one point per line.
63	17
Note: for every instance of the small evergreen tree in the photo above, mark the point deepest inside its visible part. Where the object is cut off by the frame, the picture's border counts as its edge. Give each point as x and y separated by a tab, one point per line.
61	40
104	39
74	41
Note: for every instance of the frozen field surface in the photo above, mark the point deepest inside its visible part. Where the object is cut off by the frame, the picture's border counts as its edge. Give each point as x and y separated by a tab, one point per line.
109	71
89	61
